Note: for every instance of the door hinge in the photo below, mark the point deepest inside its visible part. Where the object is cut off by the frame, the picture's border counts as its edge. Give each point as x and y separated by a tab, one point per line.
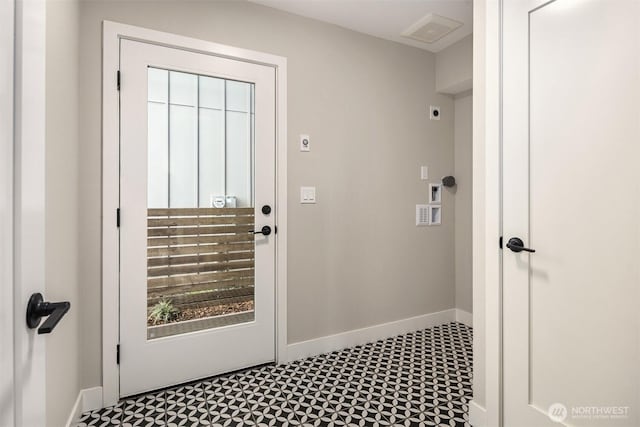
118	217
118	79
118	354
500	242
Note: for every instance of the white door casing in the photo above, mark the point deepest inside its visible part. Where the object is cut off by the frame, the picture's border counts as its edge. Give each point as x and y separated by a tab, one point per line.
113	34
7	407
571	126
22	197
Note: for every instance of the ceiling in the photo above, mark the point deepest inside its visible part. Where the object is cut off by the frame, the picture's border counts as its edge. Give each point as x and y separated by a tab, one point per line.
386	19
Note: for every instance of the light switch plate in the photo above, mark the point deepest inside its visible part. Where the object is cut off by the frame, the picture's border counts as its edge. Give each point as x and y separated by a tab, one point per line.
424	173
307	195
305	143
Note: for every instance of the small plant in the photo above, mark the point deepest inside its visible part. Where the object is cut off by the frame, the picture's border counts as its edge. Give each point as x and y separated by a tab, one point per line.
163	312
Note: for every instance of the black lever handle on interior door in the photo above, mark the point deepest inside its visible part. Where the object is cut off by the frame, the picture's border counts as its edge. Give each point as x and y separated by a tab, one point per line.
266	230
517	245
37	308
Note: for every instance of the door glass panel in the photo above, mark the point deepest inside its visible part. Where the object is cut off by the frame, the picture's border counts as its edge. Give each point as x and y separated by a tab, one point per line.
200	246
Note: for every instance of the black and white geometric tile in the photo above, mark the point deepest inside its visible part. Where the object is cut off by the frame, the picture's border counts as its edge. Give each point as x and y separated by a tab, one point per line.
418	379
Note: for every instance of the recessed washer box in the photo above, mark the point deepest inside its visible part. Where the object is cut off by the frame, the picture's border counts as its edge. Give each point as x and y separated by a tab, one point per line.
435	215
435	193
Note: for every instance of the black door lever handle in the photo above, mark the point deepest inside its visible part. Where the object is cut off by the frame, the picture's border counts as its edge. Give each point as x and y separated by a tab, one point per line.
37	308
517	245
266	230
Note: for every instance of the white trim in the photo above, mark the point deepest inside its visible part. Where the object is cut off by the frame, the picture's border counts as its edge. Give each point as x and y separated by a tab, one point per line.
29	208
76	411
89	399
316	346
112	33
7	48
487	222
110	202
465	317
281	211
477	415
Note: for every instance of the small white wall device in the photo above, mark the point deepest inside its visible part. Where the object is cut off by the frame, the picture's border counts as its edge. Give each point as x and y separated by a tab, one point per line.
307	195
434	112
305	143
424	173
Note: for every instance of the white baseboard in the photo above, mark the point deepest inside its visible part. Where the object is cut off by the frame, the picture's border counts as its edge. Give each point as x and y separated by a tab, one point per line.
89	399
477	415
76	411
464	317
314	347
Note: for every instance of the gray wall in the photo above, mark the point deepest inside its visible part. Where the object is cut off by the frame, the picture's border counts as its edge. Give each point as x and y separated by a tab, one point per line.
454	76
454	67
64	354
356	258
463	148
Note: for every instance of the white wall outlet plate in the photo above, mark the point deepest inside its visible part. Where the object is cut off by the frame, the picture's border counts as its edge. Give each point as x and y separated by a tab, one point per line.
422	215
307	195
435	193
305	143
424	173
434	112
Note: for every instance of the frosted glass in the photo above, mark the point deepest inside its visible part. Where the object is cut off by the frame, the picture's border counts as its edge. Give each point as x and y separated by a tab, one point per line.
158	85
211	156
239	177
239	96
158	148
183	88
211	92
183	157
200	140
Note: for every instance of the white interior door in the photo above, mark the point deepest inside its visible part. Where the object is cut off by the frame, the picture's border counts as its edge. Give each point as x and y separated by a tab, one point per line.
197	178
571	191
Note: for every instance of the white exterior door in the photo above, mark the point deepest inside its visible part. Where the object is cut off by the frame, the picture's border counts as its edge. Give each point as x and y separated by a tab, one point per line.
571	192
197	178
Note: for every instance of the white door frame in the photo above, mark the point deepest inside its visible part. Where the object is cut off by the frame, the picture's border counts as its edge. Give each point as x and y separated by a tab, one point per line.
7	407
112	34
22	209
486	407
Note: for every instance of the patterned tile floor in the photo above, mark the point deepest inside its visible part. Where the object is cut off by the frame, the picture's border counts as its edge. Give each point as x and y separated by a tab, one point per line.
418	379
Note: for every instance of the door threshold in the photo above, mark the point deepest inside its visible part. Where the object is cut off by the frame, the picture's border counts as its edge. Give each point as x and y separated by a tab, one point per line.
196	381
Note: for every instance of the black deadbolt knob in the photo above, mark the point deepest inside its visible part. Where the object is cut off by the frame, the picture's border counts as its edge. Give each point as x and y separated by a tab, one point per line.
266	209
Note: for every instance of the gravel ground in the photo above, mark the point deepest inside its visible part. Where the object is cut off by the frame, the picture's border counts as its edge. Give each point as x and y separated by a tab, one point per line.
198	313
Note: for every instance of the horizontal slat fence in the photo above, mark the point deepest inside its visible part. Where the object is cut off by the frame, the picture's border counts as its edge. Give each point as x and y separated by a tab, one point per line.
200	257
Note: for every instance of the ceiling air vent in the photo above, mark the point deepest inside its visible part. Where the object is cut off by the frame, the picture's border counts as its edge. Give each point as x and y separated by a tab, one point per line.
431	28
